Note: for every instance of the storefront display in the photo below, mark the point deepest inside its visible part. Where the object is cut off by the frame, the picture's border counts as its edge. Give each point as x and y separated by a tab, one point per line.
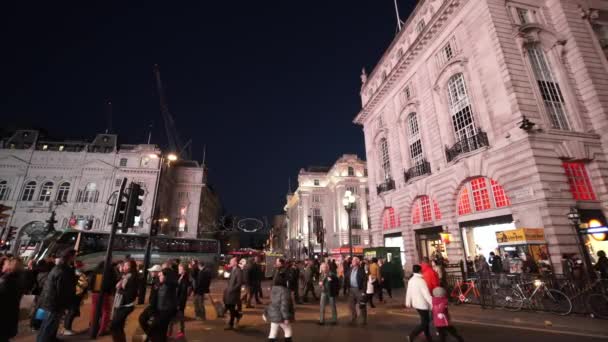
430	243
524	249
479	238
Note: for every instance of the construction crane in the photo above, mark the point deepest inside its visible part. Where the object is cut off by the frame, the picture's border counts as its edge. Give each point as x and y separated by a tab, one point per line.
173	138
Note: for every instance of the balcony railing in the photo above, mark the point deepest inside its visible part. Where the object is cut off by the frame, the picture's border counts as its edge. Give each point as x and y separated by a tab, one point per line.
388	185
469	144
422	168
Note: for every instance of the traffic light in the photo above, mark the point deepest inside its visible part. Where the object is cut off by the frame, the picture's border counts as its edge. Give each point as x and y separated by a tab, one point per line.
88	225
121	214
154	229
134	203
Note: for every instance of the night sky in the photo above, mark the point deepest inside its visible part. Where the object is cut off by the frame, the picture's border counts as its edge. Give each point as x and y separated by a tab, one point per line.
268	86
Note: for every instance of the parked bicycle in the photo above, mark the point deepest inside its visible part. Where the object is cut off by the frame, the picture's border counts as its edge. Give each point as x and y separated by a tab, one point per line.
595	297
463	290
536	296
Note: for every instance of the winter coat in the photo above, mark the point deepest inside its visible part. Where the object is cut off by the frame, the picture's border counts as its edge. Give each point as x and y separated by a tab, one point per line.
330	284
183	289
441	316
59	289
10	296
374	271
203	281
496	264
129	292
293	275
430	276
281	307
166	299
255	274
309	274
418	295
232	293
361	278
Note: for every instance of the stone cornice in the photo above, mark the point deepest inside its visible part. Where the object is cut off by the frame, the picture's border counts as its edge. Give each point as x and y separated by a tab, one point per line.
431	30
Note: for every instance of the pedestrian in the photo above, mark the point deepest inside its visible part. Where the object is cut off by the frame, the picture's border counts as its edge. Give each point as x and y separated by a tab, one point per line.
441	316
601	265
419	298
184	287
346	269
124	300
430	276
330	287
309	278
232	293
496	263
386	278
356	281
257	277
247	284
101	289
10	297
59	290
506	263
293	281
280	312
483	272
164	306
203	282
42	272
82	285
374	272
147	314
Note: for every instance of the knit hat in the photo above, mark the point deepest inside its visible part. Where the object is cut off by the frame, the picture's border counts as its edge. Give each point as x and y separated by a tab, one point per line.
439	292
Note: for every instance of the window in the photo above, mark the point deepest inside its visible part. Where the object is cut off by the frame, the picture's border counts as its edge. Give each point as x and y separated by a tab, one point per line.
549	89
386	163
407	93
4	190
28	191
356	239
578	179
523	15
90	195
123	162
414	140
45	192
421	210
316	198
481	194
447	52
390	219
420	26
316	182
461	111
351	171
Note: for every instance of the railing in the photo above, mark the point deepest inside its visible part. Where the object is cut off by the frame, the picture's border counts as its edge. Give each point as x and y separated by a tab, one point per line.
469	144
388	185
422	168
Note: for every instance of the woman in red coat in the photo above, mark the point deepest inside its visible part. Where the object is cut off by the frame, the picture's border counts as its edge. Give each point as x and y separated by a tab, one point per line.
430	276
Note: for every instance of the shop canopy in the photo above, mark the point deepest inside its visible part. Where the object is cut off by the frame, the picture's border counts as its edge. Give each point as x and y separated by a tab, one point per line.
520	236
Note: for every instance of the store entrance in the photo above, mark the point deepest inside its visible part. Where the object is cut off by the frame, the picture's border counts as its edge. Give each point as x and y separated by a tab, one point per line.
429	244
479	236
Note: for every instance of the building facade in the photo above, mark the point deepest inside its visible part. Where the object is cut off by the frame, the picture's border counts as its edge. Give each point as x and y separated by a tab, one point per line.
317	202
483	127
75	179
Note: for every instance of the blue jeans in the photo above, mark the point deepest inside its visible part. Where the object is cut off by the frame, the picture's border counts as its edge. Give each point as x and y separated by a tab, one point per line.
325	300
49	327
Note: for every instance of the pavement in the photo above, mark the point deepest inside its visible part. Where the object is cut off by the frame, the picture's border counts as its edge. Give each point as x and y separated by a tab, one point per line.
390	321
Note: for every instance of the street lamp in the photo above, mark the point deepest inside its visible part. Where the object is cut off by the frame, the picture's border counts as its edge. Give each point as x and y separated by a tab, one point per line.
575	218
349	204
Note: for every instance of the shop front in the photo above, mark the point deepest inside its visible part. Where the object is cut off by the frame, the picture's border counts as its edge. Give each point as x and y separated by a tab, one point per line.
479	236
430	244
521	245
396	240
593	230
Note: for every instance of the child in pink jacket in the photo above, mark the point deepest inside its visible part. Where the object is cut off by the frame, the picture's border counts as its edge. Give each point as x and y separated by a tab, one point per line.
441	316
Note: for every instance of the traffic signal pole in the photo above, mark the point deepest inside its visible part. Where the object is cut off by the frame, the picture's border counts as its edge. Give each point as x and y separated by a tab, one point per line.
108	261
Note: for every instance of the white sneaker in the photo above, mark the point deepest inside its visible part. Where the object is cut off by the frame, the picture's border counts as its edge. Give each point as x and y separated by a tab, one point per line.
68	333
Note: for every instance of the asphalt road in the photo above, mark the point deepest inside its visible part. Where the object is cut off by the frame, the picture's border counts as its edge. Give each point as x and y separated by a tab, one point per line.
388	322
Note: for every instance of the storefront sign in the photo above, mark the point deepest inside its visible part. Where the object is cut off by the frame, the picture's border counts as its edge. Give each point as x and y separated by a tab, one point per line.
520	236
346	250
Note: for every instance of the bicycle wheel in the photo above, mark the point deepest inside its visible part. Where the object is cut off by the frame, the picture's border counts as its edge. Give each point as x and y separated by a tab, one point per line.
597	304
556	301
509	299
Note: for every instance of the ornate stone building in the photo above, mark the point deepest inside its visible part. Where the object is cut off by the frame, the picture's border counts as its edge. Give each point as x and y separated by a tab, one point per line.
487	116
318	198
75	179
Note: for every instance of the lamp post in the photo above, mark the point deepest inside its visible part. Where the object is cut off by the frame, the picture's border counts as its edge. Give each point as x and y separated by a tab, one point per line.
575	219
349	204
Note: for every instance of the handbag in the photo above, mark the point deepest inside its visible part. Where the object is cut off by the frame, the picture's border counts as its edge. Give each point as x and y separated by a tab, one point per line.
41	314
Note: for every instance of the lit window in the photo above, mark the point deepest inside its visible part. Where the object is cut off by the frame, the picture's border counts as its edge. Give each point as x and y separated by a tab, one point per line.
61	147
351	171
416	213
391	220
500	197
480	189
422	212
386	163
4	190
28	191
481	197
549	89
461	111
426	209
464	204
578	179
436	210
63	192
45	192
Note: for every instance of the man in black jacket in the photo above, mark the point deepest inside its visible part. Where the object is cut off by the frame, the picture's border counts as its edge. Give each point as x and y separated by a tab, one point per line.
356	281
59	290
232	293
202	284
254	279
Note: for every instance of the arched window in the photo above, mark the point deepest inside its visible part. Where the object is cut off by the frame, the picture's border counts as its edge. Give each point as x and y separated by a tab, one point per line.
90	194
548	87
385	159
422	211
28	191
461	110
45	192
351	171
4	190
481	194
63	192
414	141
390	219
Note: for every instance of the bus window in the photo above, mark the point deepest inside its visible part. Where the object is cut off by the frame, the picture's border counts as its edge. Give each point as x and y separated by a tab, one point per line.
92	243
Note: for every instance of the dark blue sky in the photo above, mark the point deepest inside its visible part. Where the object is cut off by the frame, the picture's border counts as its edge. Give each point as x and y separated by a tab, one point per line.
268	86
